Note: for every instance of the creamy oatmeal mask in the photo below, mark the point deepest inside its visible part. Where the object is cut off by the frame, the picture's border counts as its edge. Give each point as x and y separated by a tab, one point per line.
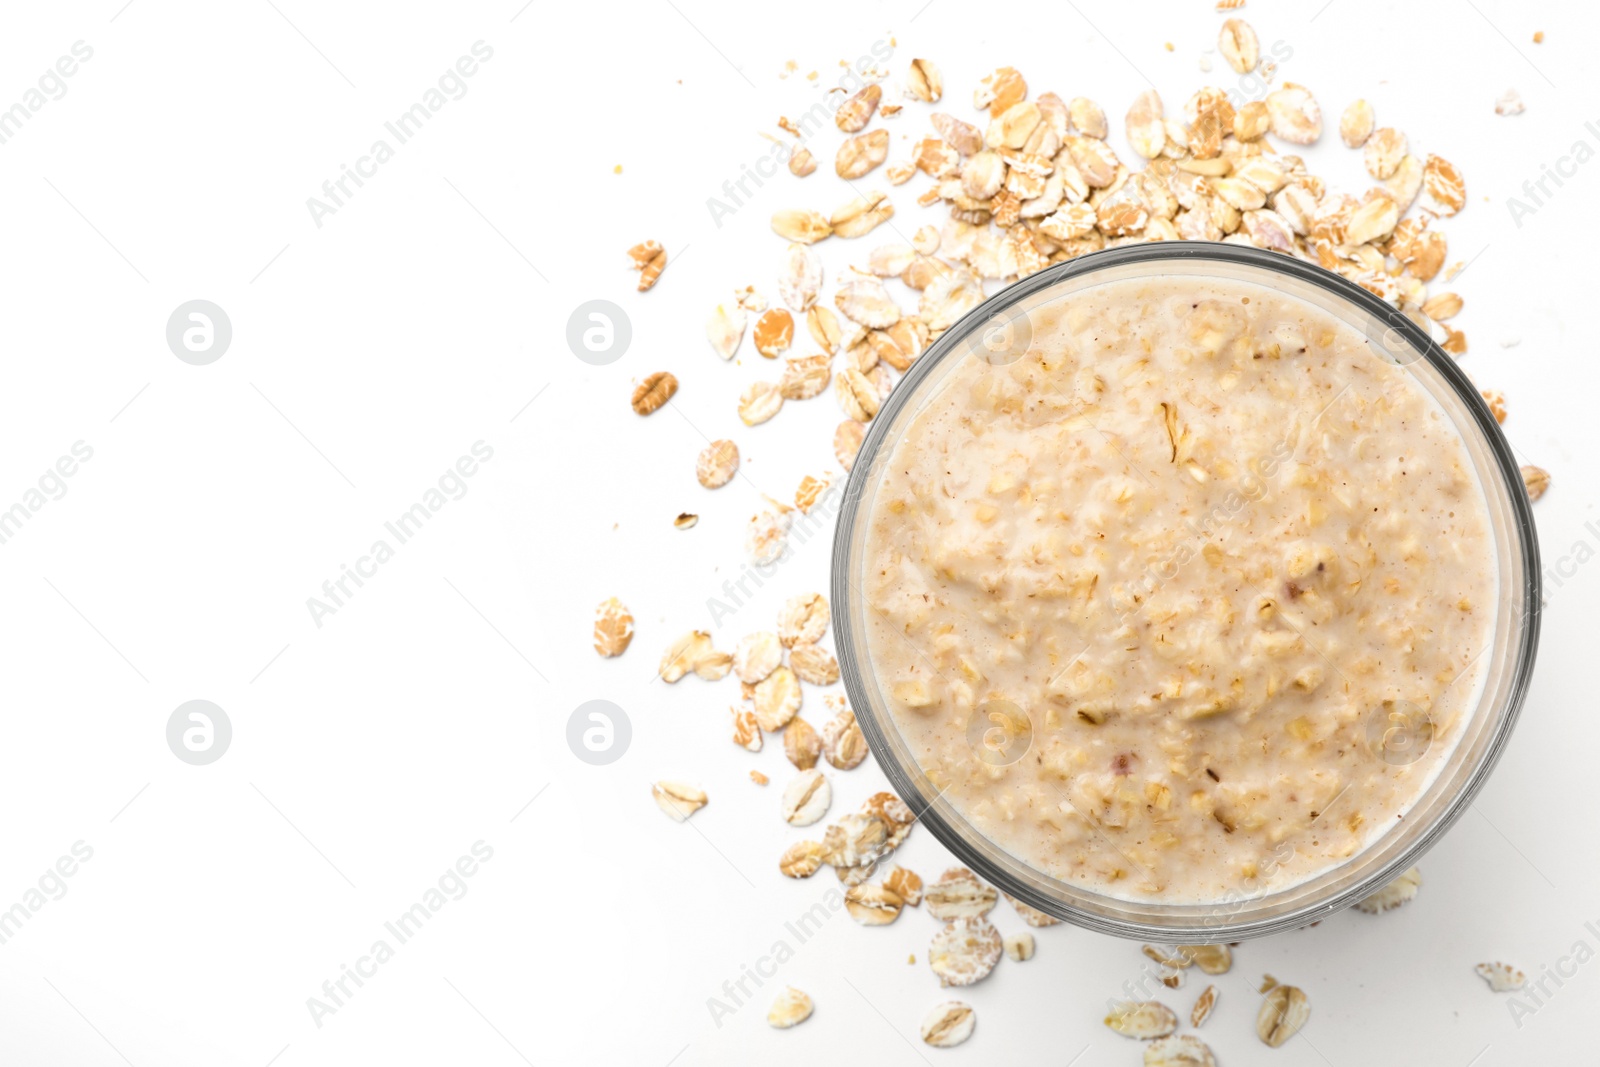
1189	588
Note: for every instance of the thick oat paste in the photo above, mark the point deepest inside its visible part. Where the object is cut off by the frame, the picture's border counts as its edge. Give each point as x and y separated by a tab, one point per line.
1190	557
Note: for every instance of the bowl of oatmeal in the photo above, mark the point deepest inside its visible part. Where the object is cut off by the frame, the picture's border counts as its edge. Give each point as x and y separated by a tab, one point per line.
1188	590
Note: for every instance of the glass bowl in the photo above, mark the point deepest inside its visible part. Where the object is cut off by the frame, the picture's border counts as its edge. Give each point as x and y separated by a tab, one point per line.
1001	326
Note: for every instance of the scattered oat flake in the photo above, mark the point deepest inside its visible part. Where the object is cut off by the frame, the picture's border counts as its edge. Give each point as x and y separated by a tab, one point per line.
766	536
725	329
777	699
801	859
613	627
1020	947
806	800
1355	125
873	905
759	402
924	81
801	744
965	951
746	730
958	894
1536	480
774	331
685	520
650	394
1502	977
791	1008
716	464
1538	37
758	778
649	259
1179	1050
810	491
1142	1019
856	840
1211	959
949	1024
1396	893
847	440
906	885
803	620
1510	103
1202	1006
678	799
817	666
683	654
756	656
1284	1010
1239	46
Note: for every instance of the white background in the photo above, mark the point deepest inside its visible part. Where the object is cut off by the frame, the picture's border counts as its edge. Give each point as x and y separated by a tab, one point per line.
425	315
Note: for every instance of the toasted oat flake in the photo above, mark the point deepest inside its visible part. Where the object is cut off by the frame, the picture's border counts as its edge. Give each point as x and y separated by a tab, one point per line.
773	333
1355	125
758	778
777	699
1202	1006
1179	1050
799	281
746	730
801	744
1536	480
1020	947
650	394
815	665
766	536
906	885
716	464
998	91
1284	1010
685	520
854	876
791	1008
810	491
1396	893
759	402
1238	44
924	82
949	1024
965	951
801	859
806	799
958	894
1145	128
854	114
649	259
613	627
678	799
1142	1019
1442	306
1497	403
1502	977
873	905
802	163
865	301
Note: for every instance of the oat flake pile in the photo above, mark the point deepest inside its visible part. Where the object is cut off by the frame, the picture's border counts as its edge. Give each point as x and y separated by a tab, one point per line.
1029	179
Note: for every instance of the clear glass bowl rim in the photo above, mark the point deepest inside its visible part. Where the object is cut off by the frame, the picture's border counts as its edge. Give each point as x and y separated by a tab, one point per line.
850	648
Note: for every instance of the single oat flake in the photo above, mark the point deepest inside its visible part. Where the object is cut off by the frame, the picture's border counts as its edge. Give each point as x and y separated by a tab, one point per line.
958	894
906	885
854	841
873	905
1142	1019
801	859
649	259
716	464
1284	1010
725	329
650	394
758	778
803	620
1202	1006
1238	44
746	730
843	746
756	656
678	799
774	331
817	666
801	744
965	951
777	699
1020	947
949	1024
684	654
1502	977
759	402
791	1008
613	627
806	799
1396	893
1536	480
1179	1050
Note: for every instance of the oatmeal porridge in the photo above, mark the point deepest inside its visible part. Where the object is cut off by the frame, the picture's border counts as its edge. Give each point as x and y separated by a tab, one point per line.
1189	600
